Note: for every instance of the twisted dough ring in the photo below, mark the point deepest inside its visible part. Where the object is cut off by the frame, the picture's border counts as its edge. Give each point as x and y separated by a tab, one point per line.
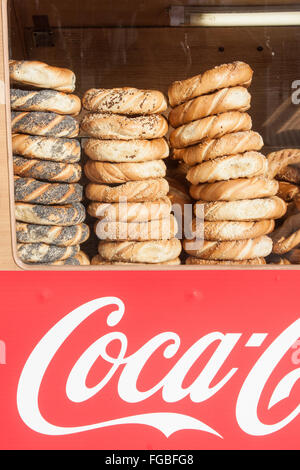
44	124
281	159
45	100
42	253
66	215
31	190
231	230
98	260
194	261
46	148
287	236
52	235
49	171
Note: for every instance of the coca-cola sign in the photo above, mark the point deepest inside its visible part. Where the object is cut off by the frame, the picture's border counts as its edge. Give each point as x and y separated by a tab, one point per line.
175	360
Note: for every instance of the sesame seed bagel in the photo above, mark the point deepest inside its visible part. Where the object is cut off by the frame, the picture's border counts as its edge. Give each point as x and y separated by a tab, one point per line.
228	144
125	101
52	235
44	124
231	230
66	215
210	127
46	170
247	209
45	100
133	191
131	212
229	250
195	261
46	148
122	151
152	251
115	126
222	76
104	172
31	190
98	260
42	253
234	190
246	165
222	101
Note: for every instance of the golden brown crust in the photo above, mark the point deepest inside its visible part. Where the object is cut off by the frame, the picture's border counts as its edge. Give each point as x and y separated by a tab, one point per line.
111	173
226	75
235	190
246	165
281	159
31	190
247	209
222	101
195	261
42	253
46	148
287	191
122	151
163	229
114	126
80	259
133	191
287	236
52	235
152	251
294	256
125	100
228	144
297	201
66	215
98	260
131	212
290	174
210	127
229	250
231	230
45	100
44	124
41	75
48	171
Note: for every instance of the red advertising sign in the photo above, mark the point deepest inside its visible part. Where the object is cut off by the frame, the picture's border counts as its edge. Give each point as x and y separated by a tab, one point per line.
150	360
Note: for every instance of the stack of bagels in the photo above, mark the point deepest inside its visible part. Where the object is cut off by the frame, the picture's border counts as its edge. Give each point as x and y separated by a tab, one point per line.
236	200
48	210
126	148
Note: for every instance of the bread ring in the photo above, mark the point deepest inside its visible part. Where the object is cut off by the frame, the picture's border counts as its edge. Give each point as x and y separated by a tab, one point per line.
287	191
122	151
52	235
42	253
247	209
111	173
235	190
228	144
49	171
31	190
210	127
67	215
287	236
230	250
195	261
290	174
163	229
248	164
41	75
47	124
45	100
114	126
280	261
98	260
131	212
231	230
80	259
222	101
152	251
125	101
281	159
133	191
226	75
46	148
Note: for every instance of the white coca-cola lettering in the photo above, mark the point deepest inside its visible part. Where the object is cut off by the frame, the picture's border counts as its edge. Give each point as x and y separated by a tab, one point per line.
171	385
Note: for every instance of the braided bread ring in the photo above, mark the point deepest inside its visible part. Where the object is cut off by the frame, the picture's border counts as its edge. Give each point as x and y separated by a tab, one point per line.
227	99
52	235
45	100
122	151
222	76
281	159
47	124
42	253
230	250
98	260
231	230
244	210
131	212
235	190
67	215
80	259
248	164
287	191
114	126
46	148
255	261
125	101
228	144
31	190
49	171
133	191
152	251
210	127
